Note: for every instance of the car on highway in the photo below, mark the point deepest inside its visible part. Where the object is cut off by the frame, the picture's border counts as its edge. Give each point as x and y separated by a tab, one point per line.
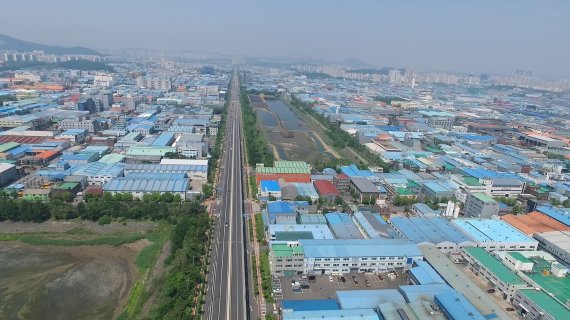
227	224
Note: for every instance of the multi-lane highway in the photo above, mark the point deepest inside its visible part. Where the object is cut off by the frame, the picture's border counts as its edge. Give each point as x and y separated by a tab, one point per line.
227	294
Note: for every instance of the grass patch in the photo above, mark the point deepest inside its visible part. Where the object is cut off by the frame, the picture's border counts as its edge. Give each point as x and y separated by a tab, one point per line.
259	229
265	275
145	261
254	275
58	240
9	237
253	186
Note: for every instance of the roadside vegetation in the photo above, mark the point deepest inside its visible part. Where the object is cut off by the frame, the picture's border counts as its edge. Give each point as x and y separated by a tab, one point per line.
259	229
258	150
265	275
181	292
153	206
338	137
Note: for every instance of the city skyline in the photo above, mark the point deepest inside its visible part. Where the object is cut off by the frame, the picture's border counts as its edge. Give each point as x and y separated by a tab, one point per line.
442	36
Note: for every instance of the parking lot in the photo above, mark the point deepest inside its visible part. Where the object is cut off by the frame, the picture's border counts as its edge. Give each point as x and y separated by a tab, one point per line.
325	286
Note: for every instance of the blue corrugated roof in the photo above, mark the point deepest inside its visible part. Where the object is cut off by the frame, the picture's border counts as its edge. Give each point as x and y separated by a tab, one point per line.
155	175
360	314
457	307
428	229
364	299
18	150
489	230
423	292
280	207
310	305
425	274
562	215
164	139
269	186
151	167
146	185
353	171
342	226
360	248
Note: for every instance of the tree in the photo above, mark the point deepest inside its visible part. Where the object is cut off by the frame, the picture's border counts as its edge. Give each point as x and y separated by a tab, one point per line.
207	190
517	209
554	202
339	201
166	197
566	203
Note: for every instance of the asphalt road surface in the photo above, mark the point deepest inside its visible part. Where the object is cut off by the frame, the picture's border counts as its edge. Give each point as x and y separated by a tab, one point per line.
227	294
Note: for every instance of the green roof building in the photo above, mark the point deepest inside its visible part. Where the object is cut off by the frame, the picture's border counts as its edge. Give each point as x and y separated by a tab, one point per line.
537	304
489	267
287	258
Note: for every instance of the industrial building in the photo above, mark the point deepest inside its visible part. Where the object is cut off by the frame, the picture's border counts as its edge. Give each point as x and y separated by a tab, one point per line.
373	225
495	235
489	267
278	233
537	304
193	171
326	190
286	258
342	226
269	189
555	242
8	174
457	279
438	231
358	255
534	222
285	212
364	189
138	187
479	205
290	171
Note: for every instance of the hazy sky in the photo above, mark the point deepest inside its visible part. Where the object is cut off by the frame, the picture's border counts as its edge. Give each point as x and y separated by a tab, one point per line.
459	35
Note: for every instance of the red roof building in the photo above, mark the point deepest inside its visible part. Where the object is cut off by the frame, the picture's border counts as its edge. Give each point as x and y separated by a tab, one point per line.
326	189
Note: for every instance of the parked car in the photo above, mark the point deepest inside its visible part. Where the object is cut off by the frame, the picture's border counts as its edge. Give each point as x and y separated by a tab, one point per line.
343	279
510	309
312	278
368	283
380	277
330	278
491	291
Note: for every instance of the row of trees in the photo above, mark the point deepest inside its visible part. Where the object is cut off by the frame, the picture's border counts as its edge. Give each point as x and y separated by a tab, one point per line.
183	285
258	150
340	138
153	206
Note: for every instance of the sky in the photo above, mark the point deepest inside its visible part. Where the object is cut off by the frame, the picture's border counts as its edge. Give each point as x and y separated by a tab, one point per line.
425	35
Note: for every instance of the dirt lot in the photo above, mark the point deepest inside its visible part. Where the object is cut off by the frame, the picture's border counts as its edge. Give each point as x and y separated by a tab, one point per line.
51	282
302	146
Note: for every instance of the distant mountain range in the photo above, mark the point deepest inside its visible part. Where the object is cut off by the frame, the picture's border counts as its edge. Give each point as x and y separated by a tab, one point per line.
9	43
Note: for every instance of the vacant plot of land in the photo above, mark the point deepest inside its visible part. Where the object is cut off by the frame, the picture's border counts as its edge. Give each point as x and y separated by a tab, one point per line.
53	282
301	147
301	144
